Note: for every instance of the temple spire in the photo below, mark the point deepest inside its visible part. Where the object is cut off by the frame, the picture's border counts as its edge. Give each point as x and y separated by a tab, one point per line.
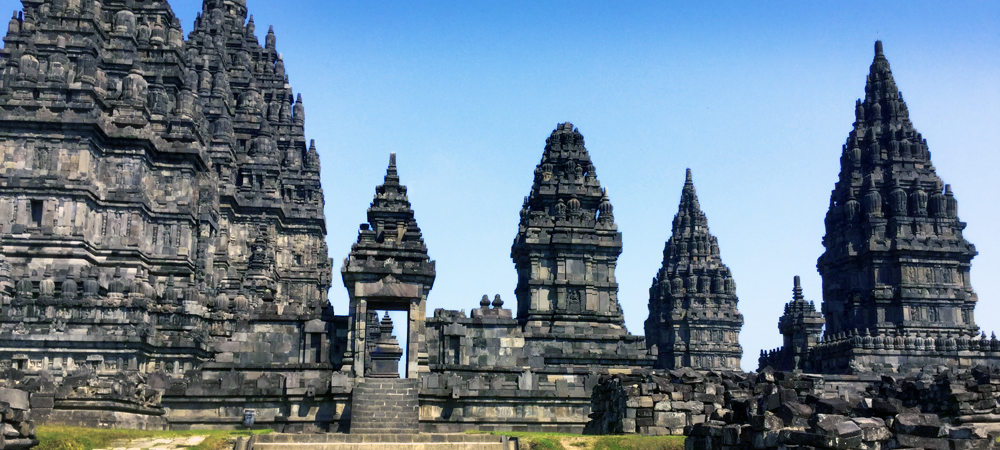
888	215
693	320
391	176
797	289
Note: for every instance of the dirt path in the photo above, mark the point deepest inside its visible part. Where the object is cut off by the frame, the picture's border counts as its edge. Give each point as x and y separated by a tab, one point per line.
176	443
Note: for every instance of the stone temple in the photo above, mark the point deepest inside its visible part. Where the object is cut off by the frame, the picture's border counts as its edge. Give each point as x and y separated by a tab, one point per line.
162	214
896	288
163	260
693	320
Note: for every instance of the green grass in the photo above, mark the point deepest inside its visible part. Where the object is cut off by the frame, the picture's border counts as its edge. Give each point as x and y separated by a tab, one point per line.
556	441
74	438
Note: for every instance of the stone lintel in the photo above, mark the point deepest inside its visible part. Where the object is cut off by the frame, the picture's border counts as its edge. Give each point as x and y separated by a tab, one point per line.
389	290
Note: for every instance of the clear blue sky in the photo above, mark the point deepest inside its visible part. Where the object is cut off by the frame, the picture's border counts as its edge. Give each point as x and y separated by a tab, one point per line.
756	98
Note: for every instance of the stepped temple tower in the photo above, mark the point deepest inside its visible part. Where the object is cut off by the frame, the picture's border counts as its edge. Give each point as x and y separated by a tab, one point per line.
161	214
388	269
801	326
693	320
896	287
565	253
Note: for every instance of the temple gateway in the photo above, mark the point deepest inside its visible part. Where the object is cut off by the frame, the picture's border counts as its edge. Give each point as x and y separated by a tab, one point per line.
163	260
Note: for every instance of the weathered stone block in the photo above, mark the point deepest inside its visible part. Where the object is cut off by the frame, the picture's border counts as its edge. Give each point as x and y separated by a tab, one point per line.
972	444
925	425
833	406
929	443
794	414
670	419
663	405
628	426
42	401
640	402
16	398
872	429
691	406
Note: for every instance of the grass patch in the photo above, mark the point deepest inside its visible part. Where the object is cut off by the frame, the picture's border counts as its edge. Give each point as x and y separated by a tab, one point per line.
76	438
567	441
639	443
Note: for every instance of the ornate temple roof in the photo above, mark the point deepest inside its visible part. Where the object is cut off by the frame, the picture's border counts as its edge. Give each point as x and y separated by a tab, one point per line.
391	241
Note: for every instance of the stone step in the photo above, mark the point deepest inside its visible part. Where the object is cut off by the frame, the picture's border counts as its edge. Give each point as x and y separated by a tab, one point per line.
382	446
377	438
384	430
337	441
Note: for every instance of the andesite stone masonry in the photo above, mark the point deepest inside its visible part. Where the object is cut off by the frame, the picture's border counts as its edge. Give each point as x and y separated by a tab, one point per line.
163	260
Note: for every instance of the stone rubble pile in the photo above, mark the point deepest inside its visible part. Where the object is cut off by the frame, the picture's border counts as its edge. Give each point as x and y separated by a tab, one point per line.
17	430
966	396
788	410
663	403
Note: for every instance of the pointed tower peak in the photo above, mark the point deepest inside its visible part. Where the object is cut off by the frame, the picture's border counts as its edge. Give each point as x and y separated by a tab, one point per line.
878	49
391	176
565	137
797	289
689	197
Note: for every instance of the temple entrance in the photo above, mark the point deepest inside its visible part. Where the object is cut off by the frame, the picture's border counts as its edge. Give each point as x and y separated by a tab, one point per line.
371	347
388	276
382	401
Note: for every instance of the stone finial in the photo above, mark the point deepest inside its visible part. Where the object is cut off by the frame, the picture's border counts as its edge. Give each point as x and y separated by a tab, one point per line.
385	326
299	111
391	175
269	40
797	289
878	48
497	302
484	302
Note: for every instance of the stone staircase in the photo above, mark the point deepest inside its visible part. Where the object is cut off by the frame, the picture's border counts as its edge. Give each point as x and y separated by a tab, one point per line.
385	414
337	441
385	406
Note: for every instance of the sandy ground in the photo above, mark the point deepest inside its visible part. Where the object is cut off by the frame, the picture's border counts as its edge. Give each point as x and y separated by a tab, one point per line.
158	443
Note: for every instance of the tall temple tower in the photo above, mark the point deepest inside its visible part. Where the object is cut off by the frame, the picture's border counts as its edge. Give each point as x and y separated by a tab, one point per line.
895	261
565	254
160	198
896	288
693	320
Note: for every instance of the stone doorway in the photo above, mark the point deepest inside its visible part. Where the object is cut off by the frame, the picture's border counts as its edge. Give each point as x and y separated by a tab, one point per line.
387	294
